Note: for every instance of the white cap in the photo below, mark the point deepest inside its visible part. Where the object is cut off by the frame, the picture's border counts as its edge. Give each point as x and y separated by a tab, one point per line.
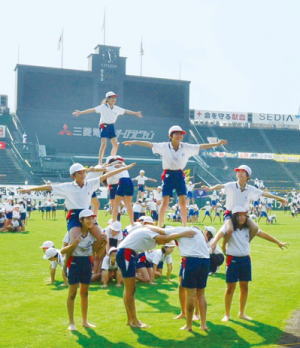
76	167
47	244
142	171
239	209
171	244
110	94
211	229
116	226
112	249
51	252
146	218
86	213
245	168
176	129
207	202
159	187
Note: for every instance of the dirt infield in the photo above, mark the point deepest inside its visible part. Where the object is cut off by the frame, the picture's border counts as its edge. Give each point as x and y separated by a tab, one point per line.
291	337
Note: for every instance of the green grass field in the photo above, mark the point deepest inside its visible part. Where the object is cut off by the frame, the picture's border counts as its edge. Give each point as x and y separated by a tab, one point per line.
33	314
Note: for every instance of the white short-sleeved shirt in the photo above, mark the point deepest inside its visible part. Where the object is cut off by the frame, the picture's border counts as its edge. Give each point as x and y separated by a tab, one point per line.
16	214
107	265
76	197
175	160
137	208
156	256
108	115
190	187
238	244
60	260
207	208
139	240
85	246
113	180
118	236
157	195
237	198
152	206
141	179
191	247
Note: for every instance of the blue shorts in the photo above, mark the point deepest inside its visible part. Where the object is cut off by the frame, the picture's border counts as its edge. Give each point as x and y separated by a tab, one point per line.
23	216
1	224
154	215
191	212
48	208
256	203
107	131
141	188
125	187
73	218
207	213
238	269
79	270
94	195
269	205
190	194
126	260
112	191
263	214
28	209
53	208
160	265
194	272
9	215
213	203
143	262
173	180
136	216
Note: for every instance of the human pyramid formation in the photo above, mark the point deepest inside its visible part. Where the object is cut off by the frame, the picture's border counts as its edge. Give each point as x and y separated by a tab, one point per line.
85	237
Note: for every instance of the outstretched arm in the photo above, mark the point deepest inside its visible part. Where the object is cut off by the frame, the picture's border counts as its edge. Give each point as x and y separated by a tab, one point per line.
134	113
163	239
211	145
114	172
212	188
271	239
38	188
139	143
150	179
77	113
278	198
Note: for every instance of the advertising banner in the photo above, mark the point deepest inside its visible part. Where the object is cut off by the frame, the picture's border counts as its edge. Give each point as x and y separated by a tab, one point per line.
220	116
276	119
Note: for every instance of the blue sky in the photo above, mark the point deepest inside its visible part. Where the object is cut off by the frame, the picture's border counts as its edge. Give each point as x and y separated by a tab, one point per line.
239	55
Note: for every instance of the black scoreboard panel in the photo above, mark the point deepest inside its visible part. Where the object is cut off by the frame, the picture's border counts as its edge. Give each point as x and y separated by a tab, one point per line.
55	91
155	98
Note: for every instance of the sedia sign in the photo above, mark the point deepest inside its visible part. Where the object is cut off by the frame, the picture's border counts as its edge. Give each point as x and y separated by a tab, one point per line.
276	119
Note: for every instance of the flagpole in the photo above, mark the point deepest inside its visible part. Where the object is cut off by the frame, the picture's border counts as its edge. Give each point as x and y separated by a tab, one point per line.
62	50
141	57
104	27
